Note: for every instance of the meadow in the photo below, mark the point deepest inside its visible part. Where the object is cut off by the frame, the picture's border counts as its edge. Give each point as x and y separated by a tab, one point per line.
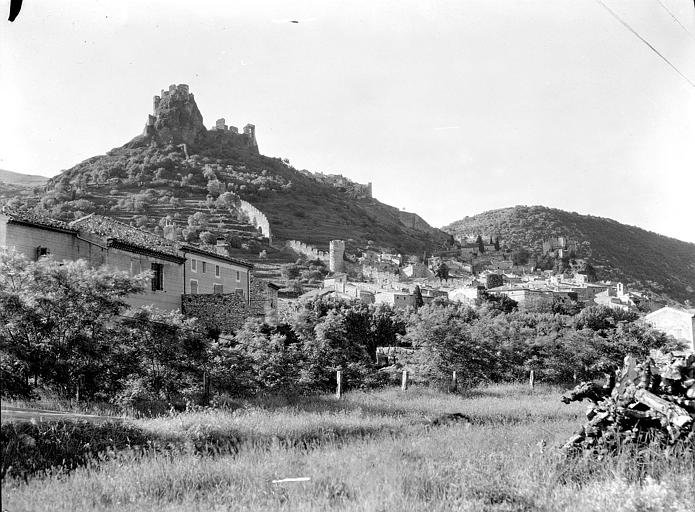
368	451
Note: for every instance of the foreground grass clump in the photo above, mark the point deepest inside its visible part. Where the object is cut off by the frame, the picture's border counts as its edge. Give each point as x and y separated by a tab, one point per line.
377	454
28	448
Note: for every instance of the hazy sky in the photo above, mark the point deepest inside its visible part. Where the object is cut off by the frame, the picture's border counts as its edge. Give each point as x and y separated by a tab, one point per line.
448	108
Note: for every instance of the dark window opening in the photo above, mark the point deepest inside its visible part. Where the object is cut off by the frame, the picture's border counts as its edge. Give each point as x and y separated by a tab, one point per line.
41	251
158	277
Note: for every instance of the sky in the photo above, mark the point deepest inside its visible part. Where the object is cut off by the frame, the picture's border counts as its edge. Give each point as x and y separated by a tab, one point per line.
449	108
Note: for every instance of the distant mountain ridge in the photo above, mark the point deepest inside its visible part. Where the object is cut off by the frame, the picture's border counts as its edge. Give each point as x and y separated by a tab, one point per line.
23	180
662	265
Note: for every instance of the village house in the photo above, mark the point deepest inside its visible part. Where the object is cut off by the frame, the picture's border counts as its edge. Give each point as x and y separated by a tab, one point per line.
128	250
523	295
679	323
396	299
206	284
429	294
465	294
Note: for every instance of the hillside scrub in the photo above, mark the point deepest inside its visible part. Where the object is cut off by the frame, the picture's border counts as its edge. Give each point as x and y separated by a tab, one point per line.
299	204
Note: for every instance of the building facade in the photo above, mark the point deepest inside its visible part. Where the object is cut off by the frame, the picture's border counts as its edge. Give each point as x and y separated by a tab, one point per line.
177	269
679	323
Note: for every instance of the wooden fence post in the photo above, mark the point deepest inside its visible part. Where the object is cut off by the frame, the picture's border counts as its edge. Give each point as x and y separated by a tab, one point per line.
454	382
339	384
531	379
404	380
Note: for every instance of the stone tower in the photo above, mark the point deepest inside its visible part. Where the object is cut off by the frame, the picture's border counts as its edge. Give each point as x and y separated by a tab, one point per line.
335	255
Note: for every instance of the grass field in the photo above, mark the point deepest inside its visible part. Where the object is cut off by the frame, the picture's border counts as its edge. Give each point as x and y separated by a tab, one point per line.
369	451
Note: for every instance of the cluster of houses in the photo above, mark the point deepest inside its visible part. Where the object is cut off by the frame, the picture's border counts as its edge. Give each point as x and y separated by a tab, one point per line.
386	278
208	284
219	290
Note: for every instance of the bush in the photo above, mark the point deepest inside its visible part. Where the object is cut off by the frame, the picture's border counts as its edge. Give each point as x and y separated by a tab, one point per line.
29	448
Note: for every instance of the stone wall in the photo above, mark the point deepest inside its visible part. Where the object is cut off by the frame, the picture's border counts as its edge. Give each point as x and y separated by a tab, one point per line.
257	217
381	276
414	221
307	250
226	312
264	299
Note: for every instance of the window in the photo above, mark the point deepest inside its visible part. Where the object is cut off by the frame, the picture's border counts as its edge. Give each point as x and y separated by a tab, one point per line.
158	277
217	271
41	251
203	266
238	276
194	265
194	286
217	288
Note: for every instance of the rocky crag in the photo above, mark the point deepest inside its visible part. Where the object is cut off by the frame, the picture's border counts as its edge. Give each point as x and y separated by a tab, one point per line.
178	168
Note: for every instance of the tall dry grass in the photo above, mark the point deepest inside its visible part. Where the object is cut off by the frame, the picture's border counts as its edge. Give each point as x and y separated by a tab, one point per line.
376	454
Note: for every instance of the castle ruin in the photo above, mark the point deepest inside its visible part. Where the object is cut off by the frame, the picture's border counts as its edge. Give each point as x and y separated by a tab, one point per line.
175	119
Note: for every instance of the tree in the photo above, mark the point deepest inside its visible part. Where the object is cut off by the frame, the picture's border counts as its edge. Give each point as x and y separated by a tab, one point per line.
208	238
337	344
442	335
215	187
271	356
171	354
442	272
481	245
228	200
520	256
497	243
419	302
493	281
290	271
58	322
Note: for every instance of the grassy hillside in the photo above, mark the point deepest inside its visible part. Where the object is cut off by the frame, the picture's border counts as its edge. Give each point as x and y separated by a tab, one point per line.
663	265
22	180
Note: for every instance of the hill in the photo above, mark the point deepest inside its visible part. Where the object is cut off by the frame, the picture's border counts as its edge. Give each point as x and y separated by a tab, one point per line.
22	180
659	264
184	180
18	187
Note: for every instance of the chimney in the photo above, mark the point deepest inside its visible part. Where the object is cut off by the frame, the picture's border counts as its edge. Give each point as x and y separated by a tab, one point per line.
221	247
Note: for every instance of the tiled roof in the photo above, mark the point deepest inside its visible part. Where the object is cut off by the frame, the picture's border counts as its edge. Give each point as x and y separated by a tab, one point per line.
117	231
125	234
210	254
32	218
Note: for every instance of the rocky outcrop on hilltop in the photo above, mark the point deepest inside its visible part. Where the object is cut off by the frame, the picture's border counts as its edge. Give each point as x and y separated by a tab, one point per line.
176	118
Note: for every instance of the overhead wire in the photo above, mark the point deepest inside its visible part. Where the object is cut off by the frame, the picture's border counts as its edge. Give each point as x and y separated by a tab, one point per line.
676	19
627	26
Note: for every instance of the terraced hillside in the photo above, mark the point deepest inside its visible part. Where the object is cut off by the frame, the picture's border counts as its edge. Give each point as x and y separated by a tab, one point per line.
182	180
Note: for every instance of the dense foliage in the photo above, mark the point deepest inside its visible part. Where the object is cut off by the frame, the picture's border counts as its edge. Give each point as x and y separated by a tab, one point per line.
68	328
488	345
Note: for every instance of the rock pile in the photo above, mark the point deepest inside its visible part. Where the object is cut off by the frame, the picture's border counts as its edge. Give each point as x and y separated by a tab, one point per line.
647	402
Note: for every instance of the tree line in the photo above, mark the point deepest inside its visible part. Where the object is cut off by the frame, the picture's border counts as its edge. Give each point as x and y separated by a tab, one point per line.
67	327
